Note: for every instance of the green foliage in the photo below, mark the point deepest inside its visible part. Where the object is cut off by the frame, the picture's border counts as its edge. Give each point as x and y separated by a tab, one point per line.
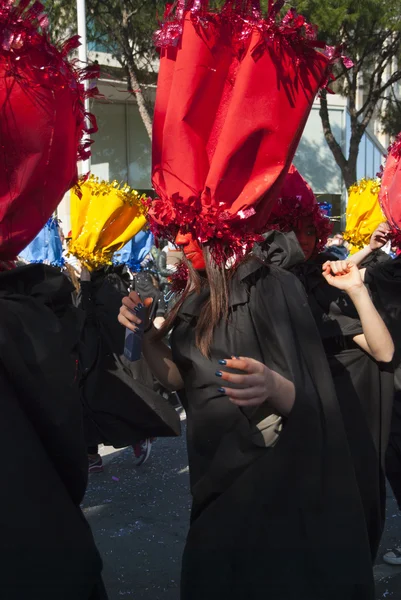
370	31
62	18
125	28
358	23
391	120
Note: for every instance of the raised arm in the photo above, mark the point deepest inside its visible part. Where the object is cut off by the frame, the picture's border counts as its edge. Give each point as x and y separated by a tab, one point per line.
379	239
158	355
376	339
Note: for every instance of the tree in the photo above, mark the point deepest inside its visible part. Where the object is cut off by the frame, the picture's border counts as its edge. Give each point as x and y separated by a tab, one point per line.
62	16
122	28
371	33
125	29
391	119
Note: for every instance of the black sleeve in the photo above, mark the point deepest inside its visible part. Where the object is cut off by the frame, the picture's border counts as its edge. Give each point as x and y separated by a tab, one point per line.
161	264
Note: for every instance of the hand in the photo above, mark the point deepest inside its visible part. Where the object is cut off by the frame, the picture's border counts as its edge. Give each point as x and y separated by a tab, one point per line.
380	236
128	311
343	275
258	383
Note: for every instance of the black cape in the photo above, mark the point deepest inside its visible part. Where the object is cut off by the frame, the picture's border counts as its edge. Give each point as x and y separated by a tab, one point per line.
363	386
46	547
120	406
285	523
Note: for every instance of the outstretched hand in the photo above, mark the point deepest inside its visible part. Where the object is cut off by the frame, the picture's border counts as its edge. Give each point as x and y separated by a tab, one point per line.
343	275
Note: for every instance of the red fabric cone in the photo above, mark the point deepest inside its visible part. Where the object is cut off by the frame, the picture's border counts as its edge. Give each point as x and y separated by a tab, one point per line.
229	114
42	120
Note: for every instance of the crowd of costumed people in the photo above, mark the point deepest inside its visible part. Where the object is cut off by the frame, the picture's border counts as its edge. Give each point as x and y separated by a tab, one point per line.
226	296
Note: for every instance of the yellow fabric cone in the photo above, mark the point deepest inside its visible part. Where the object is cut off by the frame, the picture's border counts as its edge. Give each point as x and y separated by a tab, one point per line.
104	217
364	213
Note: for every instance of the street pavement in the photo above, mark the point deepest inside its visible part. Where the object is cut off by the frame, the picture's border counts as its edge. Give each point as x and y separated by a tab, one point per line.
139	517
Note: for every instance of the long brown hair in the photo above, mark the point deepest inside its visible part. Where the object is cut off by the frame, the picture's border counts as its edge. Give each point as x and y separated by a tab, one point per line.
215	307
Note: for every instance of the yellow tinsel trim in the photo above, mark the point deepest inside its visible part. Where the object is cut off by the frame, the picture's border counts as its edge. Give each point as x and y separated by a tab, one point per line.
91	260
357	241
360	186
124	192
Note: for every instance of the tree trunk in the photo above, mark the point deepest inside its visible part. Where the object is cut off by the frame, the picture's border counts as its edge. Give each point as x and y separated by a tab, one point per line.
347	165
135	87
350	176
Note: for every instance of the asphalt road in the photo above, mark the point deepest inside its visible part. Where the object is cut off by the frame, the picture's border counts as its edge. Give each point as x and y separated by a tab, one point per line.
140	517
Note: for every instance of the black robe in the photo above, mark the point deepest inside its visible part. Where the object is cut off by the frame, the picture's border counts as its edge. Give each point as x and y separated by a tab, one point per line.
363	386
46	547
283	523
119	403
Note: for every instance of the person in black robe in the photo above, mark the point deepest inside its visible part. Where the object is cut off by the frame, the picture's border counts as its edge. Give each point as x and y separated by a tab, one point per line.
364	387
46	546
383	279
121	407
364	382
277	510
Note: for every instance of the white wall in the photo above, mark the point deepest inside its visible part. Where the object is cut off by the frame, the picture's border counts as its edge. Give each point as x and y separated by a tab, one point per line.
314	158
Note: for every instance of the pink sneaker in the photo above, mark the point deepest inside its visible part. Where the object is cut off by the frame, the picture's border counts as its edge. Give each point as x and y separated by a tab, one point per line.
142	451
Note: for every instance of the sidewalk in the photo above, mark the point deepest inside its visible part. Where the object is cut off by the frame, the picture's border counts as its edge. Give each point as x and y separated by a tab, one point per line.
140	517
388	578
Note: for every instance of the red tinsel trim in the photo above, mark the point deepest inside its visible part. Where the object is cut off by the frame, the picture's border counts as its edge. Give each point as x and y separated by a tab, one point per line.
395	148
226	236
292	211
179	278
22	32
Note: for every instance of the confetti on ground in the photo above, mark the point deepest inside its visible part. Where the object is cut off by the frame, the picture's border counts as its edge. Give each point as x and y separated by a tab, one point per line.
115	478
